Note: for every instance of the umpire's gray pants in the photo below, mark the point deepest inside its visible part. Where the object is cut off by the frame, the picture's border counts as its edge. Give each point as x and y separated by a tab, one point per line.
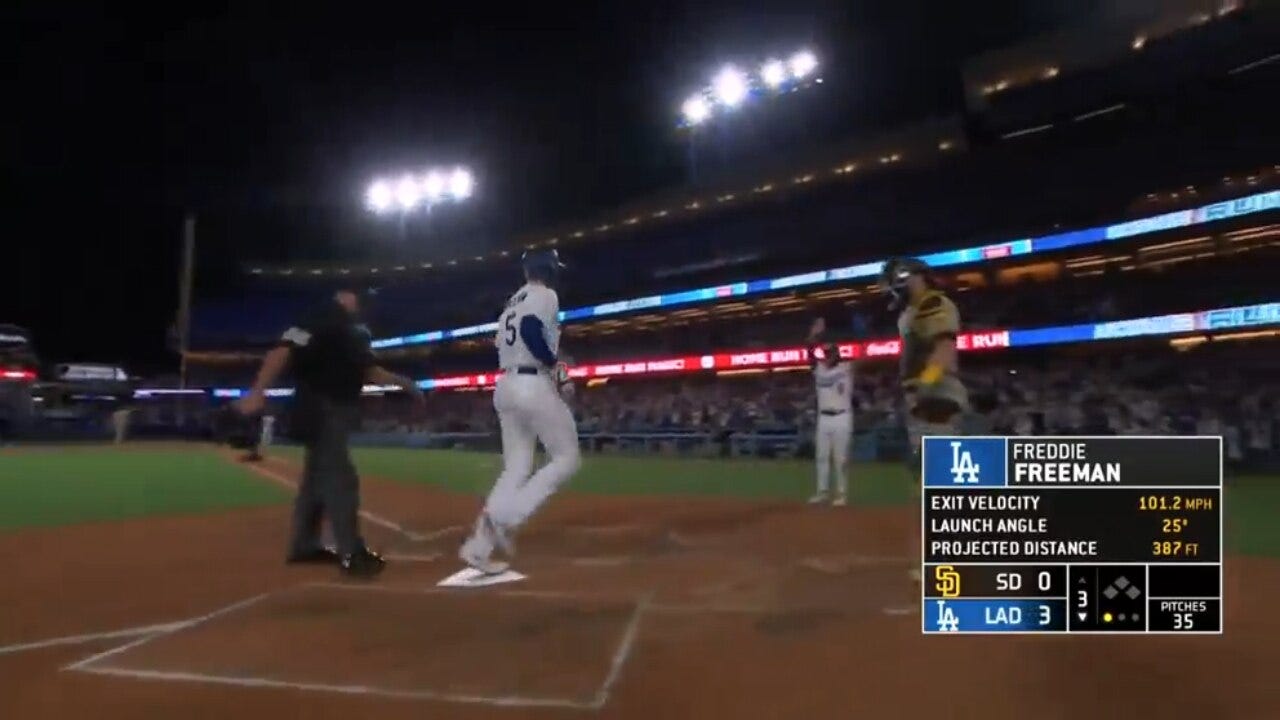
330	486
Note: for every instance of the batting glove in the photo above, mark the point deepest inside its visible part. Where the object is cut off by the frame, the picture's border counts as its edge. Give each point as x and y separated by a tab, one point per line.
560	373
561	376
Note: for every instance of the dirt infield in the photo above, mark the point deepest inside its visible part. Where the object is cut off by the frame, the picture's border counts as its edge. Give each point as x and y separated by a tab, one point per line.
634	608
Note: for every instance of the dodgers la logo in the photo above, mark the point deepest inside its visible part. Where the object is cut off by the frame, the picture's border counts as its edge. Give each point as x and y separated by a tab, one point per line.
947	620
964	471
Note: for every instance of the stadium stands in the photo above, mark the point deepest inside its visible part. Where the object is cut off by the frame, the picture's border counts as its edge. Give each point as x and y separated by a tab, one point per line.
1092	177
1098	182
1227	389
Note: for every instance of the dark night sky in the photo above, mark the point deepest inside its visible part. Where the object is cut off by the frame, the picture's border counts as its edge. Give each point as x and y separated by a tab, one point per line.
269	123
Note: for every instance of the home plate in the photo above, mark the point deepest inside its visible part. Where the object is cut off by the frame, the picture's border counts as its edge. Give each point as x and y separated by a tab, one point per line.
470	577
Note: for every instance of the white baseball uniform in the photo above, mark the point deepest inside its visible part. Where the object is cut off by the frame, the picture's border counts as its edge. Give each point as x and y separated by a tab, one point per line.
834	385
268	432
120	423
530	410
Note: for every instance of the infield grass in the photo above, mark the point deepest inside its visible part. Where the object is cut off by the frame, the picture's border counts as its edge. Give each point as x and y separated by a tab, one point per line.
474	473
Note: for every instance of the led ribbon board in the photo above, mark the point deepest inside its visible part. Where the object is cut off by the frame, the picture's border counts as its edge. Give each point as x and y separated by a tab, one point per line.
1238	207
1244	316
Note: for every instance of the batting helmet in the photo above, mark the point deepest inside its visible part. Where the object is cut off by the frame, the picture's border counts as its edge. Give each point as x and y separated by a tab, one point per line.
542	265
831	352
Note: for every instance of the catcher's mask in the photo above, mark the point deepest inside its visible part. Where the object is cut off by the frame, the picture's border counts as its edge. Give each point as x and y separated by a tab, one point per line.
894	276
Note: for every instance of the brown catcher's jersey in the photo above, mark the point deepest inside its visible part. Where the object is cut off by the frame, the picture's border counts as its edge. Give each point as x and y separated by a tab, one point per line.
923	323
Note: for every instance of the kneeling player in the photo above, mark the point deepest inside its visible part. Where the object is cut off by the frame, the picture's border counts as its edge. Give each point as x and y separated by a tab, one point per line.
933	395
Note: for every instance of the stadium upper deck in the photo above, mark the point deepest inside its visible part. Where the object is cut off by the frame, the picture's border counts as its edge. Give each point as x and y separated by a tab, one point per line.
933	187
1197	234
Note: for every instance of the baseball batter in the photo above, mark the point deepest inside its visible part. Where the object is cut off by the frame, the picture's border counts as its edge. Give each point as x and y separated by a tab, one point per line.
833	383
530	400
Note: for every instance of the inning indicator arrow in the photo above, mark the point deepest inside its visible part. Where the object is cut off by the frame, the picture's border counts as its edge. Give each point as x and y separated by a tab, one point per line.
1082	616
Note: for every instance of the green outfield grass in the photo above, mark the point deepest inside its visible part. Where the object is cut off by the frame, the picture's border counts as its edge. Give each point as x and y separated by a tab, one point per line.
62	486
474	472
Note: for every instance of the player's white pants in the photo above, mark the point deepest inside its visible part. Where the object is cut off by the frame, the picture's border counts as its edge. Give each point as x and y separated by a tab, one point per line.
120	423
530	410
831	447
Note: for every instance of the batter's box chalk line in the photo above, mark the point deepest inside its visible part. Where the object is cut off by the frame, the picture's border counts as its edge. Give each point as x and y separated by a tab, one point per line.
91	637
622	652
902	610
844	564
372	518
85	664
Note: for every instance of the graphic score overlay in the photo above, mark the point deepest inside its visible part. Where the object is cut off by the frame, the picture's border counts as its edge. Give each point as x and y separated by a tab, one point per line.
1071	535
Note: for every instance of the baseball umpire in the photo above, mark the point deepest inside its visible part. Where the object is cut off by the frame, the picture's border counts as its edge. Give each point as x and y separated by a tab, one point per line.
332	359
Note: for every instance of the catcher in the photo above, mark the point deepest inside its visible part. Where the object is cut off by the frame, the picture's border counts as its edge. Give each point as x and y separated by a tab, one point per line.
934	398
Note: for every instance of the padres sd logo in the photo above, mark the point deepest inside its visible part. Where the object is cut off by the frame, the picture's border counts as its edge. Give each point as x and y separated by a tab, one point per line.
946	581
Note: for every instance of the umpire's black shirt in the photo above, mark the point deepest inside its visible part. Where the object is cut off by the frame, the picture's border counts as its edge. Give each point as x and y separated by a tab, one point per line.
331	354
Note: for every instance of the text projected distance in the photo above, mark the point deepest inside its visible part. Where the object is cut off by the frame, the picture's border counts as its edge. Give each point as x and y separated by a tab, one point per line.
1071	534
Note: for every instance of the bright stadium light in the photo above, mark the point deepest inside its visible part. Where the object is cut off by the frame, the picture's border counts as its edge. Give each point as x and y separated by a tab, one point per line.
407	193
460	184
730	86
380	196
433	186
803	63
410	192
695	110
773	73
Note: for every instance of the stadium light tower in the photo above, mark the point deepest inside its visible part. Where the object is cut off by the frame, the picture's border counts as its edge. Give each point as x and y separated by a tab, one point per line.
410	192
732	88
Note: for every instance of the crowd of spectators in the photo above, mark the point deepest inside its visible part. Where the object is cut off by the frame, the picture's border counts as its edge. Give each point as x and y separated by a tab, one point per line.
1231	391
1218	388
1112	294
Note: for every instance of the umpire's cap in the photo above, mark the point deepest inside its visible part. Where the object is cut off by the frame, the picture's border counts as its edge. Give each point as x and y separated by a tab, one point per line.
365	297
542	265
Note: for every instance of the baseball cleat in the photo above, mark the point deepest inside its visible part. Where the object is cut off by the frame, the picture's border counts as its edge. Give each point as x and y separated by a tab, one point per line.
818	499
362	563
501	536
479	561
840	501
